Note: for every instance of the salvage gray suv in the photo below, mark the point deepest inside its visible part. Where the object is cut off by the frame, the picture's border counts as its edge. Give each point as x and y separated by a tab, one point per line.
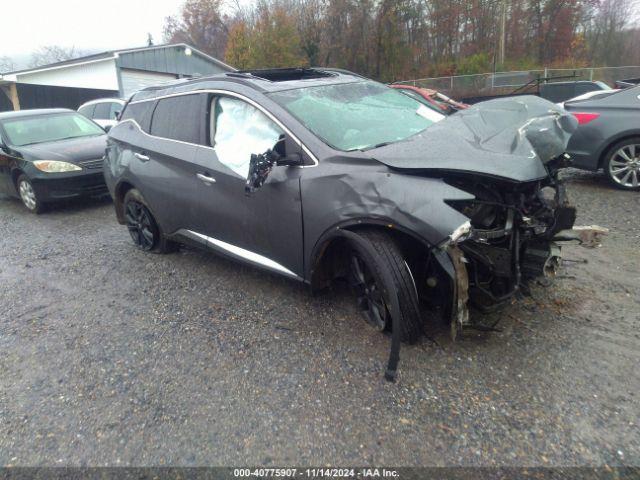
320	174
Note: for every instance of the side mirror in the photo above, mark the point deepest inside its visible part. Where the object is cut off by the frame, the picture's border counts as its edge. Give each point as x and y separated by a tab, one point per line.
116	115
106	128
259	168
4	148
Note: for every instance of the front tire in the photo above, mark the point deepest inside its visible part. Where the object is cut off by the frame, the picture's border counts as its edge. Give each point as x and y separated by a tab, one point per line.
142	226
28	195
622	164
373	253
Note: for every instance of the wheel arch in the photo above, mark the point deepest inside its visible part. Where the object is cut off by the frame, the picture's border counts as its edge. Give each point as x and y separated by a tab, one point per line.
326	260
613	142
118	200
15	174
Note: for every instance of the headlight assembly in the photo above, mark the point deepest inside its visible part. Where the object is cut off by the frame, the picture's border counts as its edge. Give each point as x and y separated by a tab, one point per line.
54	166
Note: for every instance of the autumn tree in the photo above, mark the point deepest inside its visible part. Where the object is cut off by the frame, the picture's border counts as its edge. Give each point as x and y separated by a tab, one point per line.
202	24
399	39
274	39
238	51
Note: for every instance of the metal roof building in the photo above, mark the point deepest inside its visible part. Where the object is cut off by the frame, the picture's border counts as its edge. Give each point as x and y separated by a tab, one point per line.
114	73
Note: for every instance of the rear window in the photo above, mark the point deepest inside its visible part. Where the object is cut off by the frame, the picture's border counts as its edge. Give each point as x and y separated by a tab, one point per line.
178	118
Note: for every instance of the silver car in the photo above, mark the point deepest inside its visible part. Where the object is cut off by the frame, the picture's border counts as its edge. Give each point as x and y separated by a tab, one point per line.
608	136
104	111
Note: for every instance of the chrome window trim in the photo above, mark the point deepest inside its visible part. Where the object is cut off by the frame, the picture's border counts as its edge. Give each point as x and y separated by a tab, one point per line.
238	252
231	94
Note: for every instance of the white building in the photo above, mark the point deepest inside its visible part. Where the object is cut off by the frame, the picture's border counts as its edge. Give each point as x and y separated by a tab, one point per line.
116	73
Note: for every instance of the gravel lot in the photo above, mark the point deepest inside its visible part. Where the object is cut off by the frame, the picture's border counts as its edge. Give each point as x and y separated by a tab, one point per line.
109	356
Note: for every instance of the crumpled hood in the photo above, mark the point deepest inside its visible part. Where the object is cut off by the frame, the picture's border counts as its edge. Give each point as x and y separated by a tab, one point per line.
510	138
72	150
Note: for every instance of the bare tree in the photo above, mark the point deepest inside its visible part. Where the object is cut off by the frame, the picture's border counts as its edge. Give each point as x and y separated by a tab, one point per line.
608	32
53	54
6	64
201	23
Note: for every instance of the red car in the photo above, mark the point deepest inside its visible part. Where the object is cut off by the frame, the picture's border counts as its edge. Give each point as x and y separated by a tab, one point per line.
435	99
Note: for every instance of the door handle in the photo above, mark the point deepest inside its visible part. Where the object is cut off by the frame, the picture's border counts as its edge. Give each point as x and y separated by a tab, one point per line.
206	179
141	157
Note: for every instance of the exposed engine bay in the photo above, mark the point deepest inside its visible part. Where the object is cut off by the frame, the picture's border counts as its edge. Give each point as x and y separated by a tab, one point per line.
515	236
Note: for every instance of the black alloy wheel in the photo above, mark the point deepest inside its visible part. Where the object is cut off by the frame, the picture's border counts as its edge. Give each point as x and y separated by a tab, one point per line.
141	225
370	297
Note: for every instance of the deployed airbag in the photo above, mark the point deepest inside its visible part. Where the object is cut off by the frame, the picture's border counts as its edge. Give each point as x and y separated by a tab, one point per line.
240	131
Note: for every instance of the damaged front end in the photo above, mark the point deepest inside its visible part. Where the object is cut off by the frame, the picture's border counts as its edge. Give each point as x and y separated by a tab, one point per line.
520	213
514	238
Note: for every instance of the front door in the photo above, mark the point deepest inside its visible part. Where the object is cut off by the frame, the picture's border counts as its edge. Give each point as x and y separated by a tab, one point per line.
266	227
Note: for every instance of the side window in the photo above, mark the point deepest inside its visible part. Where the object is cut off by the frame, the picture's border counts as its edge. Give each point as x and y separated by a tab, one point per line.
114	111
237	130
140	113
102	111
178	118
87	110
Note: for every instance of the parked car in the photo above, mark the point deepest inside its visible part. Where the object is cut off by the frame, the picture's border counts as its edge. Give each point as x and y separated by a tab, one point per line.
608	136
439	101
628	82
48	155
586	96
319	174
104	111
561	91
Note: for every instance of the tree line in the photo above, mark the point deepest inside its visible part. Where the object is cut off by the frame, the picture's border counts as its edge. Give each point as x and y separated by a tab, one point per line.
402	39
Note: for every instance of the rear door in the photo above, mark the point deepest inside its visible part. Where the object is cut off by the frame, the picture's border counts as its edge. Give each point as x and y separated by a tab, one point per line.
164	161
266	227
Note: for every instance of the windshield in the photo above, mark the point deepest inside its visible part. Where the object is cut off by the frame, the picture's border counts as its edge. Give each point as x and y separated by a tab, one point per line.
356	116
48	128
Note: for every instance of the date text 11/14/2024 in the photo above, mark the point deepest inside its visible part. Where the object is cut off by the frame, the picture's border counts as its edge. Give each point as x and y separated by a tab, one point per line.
315	472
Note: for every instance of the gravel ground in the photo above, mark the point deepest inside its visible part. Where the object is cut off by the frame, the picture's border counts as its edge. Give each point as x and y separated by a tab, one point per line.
109	356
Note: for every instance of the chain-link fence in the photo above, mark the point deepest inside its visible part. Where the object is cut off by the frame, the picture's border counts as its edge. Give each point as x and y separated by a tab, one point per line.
505	83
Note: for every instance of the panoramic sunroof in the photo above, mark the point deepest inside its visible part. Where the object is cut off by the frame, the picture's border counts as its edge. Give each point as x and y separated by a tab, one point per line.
288	74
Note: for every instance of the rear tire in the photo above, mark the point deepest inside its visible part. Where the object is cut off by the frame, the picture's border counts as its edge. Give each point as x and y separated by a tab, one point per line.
622	164
28	195
142	226
374	294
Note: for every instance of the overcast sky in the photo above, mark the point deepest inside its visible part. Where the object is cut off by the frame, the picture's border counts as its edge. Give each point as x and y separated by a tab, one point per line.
95	25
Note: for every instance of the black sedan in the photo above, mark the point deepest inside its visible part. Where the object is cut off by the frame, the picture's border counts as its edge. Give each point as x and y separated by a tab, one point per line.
48	155
608	136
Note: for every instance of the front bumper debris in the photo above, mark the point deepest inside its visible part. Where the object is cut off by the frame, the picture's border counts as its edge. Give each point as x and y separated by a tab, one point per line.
460	313
588	236
539	258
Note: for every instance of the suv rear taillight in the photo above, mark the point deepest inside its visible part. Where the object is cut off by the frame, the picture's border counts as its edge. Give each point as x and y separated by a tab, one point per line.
584	118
